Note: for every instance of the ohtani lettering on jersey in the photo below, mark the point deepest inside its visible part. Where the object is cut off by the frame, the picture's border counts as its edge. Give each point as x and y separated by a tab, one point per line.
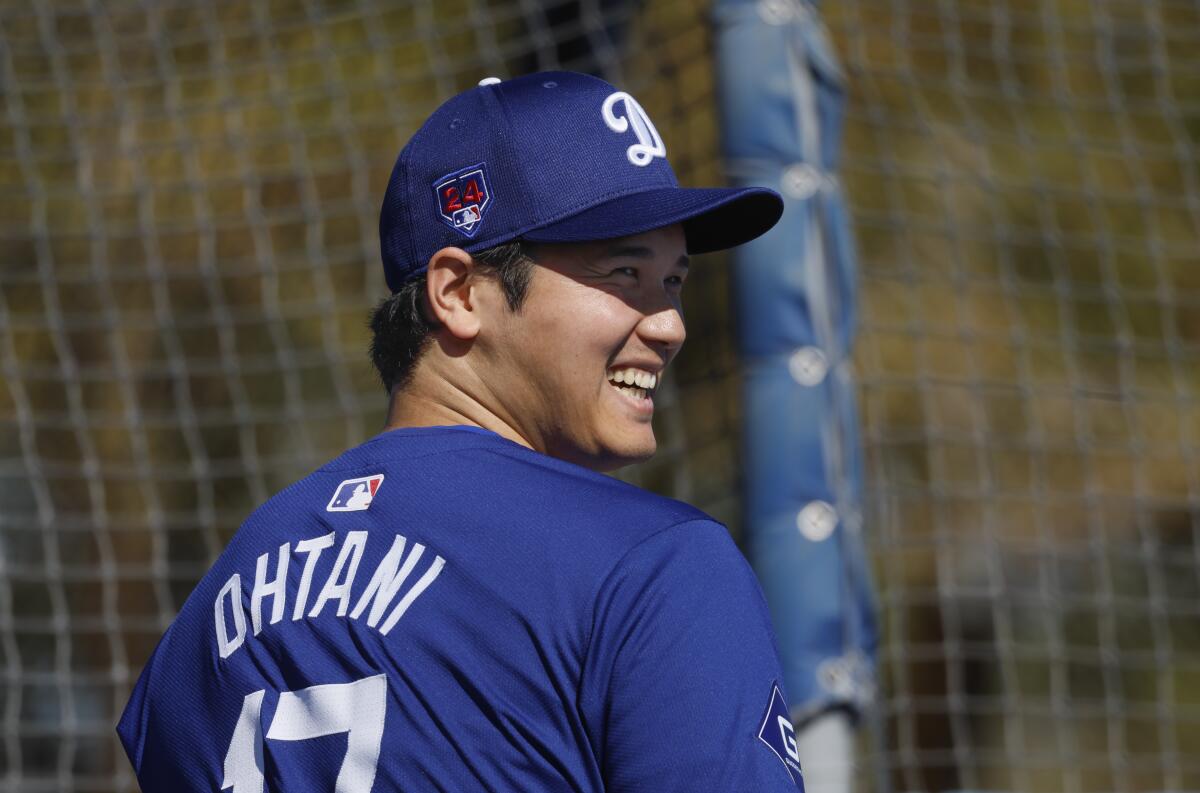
385	583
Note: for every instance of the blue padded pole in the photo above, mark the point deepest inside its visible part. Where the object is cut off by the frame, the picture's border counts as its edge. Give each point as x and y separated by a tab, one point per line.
782	95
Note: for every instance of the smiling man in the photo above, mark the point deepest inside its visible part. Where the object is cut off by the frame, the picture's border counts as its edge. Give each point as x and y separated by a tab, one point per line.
567	364
464	602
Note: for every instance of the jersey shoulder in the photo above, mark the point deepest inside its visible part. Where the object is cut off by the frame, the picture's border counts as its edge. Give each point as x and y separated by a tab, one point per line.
481	474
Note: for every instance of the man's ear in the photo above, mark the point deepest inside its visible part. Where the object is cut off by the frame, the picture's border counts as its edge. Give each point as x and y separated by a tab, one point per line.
449	285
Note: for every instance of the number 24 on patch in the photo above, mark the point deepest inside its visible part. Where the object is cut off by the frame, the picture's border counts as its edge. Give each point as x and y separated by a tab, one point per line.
357	709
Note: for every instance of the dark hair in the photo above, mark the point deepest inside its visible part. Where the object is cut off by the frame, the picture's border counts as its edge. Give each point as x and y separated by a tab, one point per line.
401	328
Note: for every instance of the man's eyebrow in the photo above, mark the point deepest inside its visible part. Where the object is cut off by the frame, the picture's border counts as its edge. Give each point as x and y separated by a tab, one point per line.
640	252
632	251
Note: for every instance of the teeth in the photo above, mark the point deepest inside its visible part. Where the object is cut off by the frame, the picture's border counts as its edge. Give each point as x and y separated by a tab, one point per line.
636	377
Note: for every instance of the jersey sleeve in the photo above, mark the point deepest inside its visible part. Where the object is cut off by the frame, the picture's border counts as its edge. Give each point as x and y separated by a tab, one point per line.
682	684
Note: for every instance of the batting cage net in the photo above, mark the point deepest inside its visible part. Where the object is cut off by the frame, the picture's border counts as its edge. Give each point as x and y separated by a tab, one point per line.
188	252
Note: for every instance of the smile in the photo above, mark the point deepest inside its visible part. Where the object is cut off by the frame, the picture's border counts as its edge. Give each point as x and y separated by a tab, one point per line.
636	383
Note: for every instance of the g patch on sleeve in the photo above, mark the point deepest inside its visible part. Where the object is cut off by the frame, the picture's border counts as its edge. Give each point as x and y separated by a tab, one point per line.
779	736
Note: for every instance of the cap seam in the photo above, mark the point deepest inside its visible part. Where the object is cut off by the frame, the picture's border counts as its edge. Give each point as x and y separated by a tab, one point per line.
498	96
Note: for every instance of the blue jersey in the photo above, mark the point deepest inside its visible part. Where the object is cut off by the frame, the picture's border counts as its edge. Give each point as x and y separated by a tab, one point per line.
441	609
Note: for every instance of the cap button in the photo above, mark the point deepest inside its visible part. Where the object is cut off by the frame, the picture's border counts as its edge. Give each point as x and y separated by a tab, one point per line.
489	81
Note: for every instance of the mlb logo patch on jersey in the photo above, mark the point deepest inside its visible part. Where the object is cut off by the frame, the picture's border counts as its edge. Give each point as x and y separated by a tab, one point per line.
779	736
463	198
355	494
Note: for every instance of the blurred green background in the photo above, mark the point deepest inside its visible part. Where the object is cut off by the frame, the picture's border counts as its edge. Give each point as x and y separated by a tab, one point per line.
188	252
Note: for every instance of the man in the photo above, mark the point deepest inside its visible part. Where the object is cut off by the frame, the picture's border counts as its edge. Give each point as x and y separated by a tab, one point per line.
460	603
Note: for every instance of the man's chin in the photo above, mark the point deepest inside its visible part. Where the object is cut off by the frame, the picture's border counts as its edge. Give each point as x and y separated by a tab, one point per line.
631	452
609	454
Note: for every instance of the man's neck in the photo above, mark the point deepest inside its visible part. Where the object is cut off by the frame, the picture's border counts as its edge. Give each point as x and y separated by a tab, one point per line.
419	405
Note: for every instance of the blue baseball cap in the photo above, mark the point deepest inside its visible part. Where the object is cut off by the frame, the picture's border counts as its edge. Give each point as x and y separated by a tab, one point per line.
548	157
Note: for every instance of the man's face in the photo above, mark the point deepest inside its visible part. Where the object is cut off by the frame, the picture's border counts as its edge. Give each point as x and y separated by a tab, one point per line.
577	367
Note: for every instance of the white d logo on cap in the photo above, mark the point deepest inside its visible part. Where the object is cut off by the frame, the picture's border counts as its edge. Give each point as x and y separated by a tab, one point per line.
649	144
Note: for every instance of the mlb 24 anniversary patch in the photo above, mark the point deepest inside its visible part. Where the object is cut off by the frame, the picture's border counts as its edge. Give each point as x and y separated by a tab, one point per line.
463	198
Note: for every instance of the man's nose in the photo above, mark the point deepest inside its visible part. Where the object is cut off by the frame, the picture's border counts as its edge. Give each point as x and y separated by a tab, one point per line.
664	329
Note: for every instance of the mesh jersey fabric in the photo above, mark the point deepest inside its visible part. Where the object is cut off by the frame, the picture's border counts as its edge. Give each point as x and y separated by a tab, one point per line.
582	635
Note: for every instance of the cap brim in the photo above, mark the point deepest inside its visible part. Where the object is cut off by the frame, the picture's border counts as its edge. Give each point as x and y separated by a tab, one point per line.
713	218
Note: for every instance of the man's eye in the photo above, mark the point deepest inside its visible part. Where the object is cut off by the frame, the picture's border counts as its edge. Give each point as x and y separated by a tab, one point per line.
675	280
630	271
